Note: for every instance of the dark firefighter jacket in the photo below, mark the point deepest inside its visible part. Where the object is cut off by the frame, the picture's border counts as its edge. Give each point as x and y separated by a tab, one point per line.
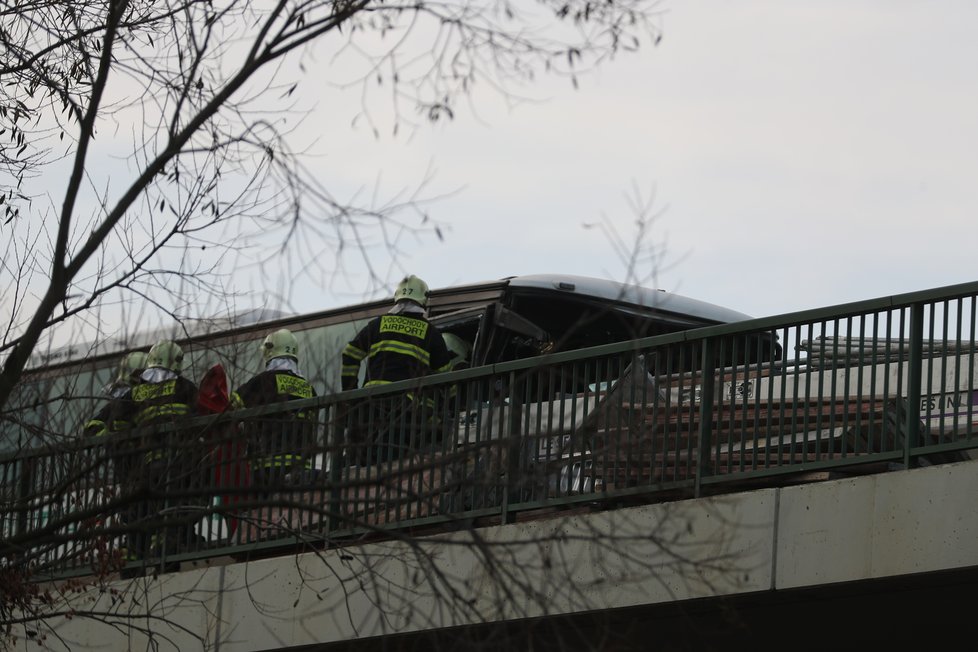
148	404
99	424
280	439
396	347
102	424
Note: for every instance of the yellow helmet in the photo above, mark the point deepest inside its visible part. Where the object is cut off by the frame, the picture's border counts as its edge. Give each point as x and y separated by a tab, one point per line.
130	367
165	355
412	288
281	343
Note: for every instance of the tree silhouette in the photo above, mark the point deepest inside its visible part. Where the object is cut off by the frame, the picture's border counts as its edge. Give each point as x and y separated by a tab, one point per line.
146	156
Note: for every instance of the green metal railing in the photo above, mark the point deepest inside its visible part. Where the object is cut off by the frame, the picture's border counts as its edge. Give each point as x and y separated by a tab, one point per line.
864	387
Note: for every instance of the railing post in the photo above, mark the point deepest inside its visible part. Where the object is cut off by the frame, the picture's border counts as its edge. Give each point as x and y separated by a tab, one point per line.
25	481
912	425
513	441
337	416
707	391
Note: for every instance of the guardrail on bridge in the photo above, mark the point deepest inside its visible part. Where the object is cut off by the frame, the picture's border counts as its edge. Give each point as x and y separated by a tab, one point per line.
870	386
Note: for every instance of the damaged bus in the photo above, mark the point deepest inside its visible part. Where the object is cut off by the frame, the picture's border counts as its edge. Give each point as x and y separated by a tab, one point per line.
509	319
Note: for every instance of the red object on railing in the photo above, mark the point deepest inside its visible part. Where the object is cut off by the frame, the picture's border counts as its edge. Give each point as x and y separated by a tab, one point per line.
230	464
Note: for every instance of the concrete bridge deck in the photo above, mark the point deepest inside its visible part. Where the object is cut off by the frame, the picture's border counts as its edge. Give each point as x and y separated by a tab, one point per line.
872	558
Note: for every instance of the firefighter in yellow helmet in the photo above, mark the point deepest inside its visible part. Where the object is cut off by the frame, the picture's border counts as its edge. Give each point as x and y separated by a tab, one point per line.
162	395
128	372
107	476
399	345
162	461
280	445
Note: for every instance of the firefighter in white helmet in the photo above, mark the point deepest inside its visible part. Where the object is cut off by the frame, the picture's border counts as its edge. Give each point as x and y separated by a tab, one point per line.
280	445
399	345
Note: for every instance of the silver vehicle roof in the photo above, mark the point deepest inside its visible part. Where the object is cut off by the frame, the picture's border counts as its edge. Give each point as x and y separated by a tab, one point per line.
580	286
585	286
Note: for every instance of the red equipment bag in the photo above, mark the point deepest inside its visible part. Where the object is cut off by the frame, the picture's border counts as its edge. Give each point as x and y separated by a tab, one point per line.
230	464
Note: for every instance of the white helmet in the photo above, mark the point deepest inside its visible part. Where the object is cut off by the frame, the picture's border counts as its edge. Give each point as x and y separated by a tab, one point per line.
165	355
412	288
281	343
130	367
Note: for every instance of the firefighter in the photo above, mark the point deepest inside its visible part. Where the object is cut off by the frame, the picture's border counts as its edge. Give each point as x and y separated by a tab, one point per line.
128	373
161	461
108	476
280	445
399	345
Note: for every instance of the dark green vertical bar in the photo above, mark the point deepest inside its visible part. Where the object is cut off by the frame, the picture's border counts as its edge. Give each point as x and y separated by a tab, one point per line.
707	391
336	422
23	501
670	441
530	445
513	441
955	427
973	304
912	426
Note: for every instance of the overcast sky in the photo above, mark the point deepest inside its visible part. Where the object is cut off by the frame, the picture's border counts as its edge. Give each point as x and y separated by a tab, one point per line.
801	154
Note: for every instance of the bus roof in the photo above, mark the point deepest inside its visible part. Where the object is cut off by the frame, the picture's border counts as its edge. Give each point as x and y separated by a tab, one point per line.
629	293
449	297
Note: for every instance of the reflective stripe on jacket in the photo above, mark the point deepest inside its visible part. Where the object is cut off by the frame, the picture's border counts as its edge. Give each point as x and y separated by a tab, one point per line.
150	404
286	438
395	347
